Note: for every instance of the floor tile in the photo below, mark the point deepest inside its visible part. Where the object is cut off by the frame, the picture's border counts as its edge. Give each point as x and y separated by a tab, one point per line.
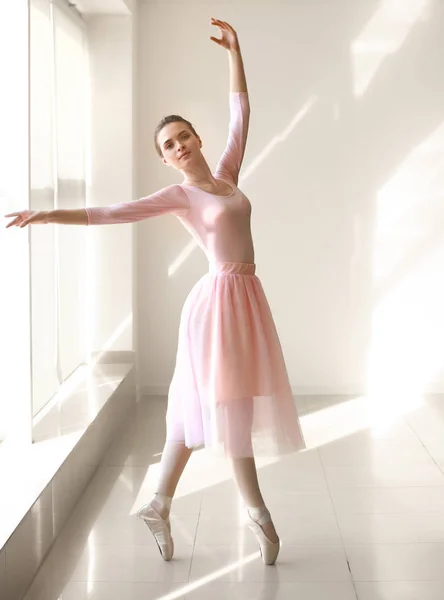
274	590
392	528
396	562
384	476
401	590
295	564
361	517
402	500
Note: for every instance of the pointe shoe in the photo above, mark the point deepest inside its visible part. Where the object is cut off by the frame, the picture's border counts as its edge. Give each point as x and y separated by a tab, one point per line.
160	528
269	550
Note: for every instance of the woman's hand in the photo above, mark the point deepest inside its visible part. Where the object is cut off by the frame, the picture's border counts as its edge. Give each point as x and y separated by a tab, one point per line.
229	39
230	42
28	217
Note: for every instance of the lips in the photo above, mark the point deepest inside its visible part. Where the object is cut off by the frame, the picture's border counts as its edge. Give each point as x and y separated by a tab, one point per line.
184	155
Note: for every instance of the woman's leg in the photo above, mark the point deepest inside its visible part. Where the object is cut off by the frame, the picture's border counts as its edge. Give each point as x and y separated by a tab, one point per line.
156	513
245	476
239	421
175	456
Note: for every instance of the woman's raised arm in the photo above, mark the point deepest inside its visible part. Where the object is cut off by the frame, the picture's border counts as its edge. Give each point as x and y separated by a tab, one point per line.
230	42
230	162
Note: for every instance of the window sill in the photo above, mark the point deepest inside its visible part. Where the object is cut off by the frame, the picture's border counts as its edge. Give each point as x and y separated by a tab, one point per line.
27	470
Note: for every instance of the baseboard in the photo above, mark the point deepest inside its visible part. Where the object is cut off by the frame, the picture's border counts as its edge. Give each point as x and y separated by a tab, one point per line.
114	357
327	390
154	390
339	390
306	390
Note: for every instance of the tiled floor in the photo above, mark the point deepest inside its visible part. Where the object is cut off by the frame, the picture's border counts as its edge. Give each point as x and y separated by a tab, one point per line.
360	517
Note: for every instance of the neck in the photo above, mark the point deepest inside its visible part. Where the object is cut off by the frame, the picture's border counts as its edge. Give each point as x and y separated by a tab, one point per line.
198	174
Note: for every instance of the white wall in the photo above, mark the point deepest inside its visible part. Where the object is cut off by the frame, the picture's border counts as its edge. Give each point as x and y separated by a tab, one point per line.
111	179
343	168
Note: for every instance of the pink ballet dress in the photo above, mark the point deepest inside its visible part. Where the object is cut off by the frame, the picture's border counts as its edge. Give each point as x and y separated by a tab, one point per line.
230	390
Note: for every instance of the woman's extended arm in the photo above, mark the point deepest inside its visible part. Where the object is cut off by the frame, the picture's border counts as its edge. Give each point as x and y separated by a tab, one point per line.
75	216
230	42
171	199
67	216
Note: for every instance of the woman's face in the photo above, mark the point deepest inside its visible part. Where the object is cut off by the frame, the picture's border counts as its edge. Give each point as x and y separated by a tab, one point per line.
179	145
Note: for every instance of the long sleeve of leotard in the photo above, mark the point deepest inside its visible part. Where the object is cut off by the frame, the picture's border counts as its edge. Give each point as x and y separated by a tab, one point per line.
171	199
231	160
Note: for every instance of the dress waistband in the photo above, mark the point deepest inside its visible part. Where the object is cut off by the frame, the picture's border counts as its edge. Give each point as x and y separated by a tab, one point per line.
232	268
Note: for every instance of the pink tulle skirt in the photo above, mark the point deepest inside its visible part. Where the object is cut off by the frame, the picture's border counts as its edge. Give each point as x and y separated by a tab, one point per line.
230	390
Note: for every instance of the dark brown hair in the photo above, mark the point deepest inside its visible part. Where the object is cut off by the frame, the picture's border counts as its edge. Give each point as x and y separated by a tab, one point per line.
167	121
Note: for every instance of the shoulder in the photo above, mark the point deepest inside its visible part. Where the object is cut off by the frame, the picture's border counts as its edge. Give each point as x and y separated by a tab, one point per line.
174	190
177	198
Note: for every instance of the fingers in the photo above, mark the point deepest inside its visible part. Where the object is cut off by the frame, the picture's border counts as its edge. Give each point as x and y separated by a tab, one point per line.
220	24
18	217
216	40
20	222
14	222
228	26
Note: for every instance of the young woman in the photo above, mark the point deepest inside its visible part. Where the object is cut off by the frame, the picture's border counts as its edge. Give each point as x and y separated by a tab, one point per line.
230	389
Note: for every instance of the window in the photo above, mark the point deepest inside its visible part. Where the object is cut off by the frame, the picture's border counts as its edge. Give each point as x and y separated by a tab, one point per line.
58	135
14	195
